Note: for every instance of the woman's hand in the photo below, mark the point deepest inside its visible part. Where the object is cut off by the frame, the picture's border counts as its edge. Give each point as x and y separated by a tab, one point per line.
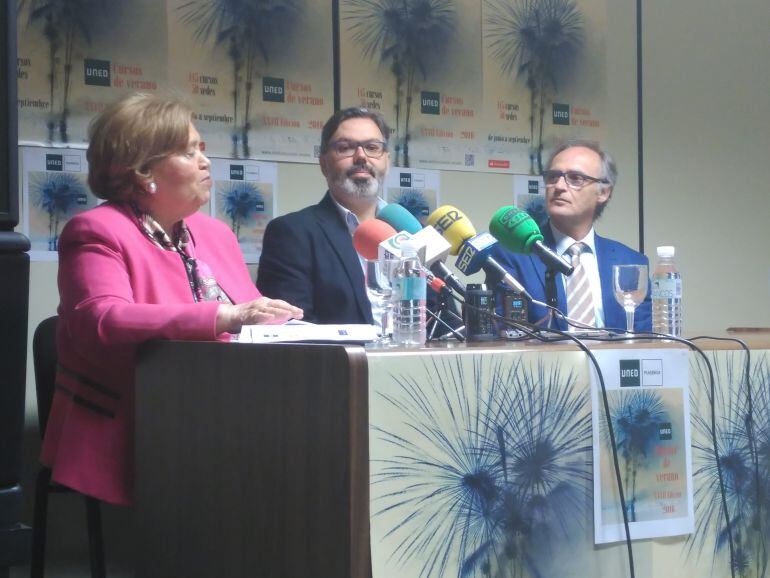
230	318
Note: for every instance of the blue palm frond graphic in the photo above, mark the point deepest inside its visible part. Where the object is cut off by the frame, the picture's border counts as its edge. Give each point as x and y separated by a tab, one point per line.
486	465
413	201
57	194
743	439
241	202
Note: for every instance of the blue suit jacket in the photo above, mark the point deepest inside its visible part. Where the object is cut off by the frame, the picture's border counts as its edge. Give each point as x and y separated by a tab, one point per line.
530	272
308	259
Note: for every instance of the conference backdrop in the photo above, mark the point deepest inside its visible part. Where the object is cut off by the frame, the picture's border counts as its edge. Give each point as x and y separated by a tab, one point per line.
466	84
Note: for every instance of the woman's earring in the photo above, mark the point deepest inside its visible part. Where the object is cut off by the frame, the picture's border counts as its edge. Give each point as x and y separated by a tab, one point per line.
152	188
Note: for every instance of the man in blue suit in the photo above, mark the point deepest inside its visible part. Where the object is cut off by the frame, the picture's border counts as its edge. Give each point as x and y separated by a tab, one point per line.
308	256
578	185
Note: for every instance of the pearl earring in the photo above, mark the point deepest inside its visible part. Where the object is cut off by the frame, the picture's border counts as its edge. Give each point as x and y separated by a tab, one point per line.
152	188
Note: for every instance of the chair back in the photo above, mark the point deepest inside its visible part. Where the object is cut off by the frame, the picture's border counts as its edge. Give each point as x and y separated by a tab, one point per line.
44	358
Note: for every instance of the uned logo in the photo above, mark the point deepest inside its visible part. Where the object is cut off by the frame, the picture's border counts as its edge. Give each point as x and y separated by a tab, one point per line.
272	89
236	172
665	431
430	102
54	163
97	72
405	179
533	187
560	113
630	374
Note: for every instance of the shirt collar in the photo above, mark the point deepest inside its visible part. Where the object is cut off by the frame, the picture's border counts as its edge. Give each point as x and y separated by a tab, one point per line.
563	242
350	218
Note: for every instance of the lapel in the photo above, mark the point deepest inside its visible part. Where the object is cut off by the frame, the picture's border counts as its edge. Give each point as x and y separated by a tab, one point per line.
336	232
606	257
561	296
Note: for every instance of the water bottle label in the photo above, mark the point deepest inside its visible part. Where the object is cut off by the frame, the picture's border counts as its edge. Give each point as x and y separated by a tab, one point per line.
411	288
667	289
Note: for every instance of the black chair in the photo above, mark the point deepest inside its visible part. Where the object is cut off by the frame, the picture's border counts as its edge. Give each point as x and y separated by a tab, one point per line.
44	356
15	536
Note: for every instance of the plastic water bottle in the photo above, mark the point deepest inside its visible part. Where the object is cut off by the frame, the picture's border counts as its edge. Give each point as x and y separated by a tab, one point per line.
666	294
409	290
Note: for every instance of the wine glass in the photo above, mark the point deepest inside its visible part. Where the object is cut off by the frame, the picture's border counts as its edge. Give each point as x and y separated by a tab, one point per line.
379	275
630	285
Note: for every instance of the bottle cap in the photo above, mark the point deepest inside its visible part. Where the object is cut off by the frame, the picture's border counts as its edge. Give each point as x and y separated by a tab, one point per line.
666	251
409	248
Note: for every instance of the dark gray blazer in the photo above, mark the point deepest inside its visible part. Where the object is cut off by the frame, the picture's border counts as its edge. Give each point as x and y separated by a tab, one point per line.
308	259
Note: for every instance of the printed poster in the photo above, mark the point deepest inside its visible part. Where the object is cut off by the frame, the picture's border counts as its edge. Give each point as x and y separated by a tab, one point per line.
421	69
649	404
260	74
477	86
417	190
529	195
244	196
544	80
54	189
91	55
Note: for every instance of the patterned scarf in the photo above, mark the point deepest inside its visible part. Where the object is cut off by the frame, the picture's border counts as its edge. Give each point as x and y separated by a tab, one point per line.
202	282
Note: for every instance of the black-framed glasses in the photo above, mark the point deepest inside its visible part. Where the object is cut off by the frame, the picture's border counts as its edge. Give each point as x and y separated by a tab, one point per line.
574	179
373	148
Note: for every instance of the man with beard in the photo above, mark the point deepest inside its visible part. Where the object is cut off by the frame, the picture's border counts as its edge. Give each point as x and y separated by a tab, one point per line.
308	257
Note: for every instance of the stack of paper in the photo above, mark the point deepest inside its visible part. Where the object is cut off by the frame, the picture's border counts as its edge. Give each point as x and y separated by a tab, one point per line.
303	331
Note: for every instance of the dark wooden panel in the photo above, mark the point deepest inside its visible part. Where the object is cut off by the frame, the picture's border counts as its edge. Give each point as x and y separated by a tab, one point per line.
252	460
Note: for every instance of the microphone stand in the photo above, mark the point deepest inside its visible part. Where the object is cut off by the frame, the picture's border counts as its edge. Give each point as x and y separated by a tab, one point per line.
443	314
550	293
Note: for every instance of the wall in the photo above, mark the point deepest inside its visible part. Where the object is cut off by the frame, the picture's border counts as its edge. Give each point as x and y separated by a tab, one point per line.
707	149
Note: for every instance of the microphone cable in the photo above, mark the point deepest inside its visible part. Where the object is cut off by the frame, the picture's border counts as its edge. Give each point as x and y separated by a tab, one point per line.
618	335
749	425
605	402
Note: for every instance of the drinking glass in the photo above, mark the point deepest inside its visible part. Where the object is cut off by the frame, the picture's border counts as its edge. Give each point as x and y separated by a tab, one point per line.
630	285
379	275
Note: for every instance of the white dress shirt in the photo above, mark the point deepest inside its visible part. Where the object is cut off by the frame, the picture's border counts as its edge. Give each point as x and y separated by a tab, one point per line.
352	222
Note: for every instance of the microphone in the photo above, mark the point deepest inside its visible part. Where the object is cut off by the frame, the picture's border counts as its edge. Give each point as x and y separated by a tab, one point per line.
518	232
372	235
399	218
437	247
453	225
472	250
368	236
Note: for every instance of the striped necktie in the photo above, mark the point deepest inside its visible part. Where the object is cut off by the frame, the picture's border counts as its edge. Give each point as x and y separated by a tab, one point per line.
580	301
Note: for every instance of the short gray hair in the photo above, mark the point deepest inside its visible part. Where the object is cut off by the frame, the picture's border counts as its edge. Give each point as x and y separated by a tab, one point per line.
609	168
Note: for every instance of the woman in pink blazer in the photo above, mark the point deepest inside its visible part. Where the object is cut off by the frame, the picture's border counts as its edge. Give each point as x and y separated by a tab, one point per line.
144	265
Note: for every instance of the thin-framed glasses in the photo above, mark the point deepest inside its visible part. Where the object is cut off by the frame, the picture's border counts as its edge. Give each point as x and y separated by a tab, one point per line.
374	148
574	179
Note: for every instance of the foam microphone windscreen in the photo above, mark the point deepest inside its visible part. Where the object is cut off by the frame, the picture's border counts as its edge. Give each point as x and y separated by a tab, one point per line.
515	229
368	236
453	225
399	218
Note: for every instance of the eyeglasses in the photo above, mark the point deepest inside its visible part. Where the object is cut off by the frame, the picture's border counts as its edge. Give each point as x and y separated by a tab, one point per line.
574	179
374	149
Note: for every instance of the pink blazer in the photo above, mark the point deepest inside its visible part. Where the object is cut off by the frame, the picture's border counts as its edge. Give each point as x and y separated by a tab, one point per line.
118	290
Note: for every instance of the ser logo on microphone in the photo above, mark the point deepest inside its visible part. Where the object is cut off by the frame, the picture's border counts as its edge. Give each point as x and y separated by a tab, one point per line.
465	257
447	220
